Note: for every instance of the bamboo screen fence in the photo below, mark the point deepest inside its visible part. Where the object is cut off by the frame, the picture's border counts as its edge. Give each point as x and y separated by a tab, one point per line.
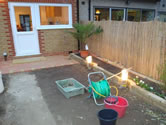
140	45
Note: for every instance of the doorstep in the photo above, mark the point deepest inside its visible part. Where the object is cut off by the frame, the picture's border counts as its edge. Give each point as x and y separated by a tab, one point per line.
28	60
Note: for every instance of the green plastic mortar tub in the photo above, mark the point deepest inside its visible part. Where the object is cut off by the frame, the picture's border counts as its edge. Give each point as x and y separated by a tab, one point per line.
70	87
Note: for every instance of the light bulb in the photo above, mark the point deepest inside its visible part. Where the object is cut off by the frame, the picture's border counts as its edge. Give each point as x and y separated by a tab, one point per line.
89	59
124	74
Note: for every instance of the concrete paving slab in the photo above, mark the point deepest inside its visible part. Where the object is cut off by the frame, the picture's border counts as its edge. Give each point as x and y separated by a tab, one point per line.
27	106
34	63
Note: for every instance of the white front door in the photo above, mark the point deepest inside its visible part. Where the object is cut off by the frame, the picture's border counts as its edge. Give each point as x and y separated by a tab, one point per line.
24	30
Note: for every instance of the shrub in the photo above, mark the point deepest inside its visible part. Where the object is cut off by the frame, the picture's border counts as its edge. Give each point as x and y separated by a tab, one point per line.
83	31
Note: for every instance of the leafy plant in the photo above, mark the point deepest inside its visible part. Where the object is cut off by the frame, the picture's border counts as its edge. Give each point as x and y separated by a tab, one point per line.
162	74
142	84
83	31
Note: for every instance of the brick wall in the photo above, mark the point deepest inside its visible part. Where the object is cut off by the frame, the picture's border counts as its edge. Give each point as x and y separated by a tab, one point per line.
45	39
6	40
57	41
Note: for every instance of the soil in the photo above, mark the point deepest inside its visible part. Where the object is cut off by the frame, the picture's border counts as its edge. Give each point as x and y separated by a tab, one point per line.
81	110
158	88
138	113
115	70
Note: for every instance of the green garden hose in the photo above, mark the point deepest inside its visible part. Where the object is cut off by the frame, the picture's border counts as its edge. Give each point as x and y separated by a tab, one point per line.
101	89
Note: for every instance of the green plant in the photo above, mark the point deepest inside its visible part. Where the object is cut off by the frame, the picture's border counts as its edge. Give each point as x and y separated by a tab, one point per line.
162	74
142	84
83	31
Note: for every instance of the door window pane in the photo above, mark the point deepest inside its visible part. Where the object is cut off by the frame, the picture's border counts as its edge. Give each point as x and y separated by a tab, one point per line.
54	15
23	19
134	15
101	14
117	14
162	16
148	15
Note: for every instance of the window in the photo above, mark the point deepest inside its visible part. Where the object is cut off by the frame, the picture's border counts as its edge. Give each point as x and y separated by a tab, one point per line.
162	16
117	14
101	14
52	16
23	19
134	15
148	15
140	15
122	14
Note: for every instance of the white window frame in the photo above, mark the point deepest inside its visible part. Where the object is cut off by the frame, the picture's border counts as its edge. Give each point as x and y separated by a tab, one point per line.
65	26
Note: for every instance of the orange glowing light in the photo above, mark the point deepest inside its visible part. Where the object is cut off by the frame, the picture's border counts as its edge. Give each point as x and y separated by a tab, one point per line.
98	12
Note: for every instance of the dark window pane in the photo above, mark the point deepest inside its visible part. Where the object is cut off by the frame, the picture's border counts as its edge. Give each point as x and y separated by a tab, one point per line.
101	14
134	15
162	16
147	15
117	14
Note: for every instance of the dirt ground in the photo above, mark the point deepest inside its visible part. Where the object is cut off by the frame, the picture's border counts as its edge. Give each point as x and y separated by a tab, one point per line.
115	70
33	98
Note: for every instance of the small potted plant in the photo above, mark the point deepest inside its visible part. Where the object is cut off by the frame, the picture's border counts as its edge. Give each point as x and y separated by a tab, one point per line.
82	32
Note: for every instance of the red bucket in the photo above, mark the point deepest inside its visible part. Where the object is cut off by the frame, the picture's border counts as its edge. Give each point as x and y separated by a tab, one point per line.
120	106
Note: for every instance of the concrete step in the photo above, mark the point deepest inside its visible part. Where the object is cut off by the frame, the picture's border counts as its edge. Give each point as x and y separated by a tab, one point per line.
28	60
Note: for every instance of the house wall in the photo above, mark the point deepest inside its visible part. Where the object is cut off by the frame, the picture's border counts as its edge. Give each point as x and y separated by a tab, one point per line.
161	6
116	3
83	10
56	41
6	39
47	38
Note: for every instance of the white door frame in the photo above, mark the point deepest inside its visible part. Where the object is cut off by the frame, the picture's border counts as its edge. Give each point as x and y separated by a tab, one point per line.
14	28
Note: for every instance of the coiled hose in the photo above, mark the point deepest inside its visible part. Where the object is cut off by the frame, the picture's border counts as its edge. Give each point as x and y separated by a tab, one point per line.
101	89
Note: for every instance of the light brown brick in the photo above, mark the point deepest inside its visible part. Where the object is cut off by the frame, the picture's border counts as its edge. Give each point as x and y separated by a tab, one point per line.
58	41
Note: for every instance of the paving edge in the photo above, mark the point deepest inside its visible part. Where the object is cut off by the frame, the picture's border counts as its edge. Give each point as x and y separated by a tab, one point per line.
144	94
1	84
